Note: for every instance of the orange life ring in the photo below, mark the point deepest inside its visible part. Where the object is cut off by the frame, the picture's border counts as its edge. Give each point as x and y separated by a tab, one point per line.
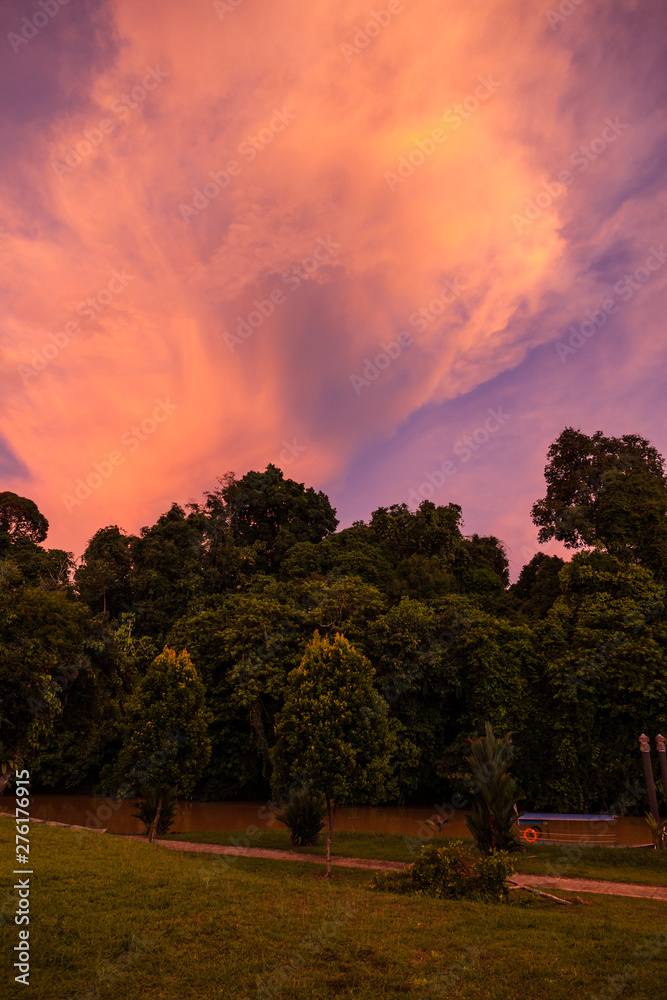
531	840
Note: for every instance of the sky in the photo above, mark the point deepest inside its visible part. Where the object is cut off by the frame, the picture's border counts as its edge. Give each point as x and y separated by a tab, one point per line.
394	249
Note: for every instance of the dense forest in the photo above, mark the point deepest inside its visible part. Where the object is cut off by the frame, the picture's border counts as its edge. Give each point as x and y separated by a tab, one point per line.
571	659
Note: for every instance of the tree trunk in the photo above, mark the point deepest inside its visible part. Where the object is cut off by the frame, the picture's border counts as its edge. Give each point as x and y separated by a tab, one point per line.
331	811
156	819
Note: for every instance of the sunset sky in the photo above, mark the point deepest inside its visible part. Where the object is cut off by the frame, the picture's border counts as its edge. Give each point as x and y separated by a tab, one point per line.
214	215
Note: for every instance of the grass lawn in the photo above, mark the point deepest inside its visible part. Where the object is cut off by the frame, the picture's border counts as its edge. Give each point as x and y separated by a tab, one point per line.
615	864
112	918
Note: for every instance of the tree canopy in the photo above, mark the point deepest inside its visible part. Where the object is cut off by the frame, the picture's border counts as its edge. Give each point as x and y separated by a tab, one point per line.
606	492
405	617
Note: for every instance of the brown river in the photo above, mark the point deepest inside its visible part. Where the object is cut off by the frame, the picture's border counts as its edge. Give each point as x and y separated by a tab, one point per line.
115	815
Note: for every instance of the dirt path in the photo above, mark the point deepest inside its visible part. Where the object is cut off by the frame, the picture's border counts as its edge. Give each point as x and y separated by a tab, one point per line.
593	885
538	881
261	852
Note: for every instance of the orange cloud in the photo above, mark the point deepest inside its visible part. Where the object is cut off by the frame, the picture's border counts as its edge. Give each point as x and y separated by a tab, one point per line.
217	148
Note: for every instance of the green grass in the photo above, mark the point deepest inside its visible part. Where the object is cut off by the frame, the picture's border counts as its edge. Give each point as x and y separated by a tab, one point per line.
384	846
614	864
112	918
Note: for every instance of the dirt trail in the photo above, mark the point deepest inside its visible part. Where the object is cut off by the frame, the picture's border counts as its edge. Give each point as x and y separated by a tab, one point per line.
538	881
261	852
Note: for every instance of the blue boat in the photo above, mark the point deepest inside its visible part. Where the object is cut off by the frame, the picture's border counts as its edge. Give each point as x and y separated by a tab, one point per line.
554	828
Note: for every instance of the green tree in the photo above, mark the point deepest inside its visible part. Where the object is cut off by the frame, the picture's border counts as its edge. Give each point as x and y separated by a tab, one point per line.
268	510
494	794
168	560
334	730
166	739
21	518
244	648
85	739
104	578
538	586
605	641
42	637
606	492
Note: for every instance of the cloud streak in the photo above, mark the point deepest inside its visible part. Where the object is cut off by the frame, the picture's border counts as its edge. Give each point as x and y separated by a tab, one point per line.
265	129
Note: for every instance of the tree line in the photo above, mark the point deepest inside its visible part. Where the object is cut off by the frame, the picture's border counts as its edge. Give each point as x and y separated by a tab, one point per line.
227	596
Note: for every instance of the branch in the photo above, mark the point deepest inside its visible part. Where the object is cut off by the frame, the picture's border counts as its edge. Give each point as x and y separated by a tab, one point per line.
538	892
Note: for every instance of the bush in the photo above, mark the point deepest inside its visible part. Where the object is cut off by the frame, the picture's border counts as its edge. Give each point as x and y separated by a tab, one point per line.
304	817
494	794
451	872
147	807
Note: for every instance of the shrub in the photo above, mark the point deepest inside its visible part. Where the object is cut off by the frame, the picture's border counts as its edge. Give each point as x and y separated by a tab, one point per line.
494	794
304	817
451	872
147	807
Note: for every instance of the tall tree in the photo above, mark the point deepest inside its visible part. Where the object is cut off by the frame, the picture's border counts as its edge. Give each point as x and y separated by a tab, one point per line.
104	578
538	585
21	518
605	641
606	492
41	643
166	738
168	574
275	512
334	730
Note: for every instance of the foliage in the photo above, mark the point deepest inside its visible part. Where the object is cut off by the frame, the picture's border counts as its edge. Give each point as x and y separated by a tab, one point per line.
165	726
538	585
20	518
572	659
658	831
605	641
41	652
149	796
608	492
266	508
334	728
104	578
452	871
303	815
494	795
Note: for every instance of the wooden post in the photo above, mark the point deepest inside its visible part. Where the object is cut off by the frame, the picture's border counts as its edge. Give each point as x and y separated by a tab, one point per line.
645	748
662	757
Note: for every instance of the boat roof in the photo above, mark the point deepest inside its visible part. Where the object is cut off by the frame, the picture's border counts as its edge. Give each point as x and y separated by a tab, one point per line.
566	817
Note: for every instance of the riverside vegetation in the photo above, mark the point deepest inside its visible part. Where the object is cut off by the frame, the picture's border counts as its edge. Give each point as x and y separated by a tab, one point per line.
232	606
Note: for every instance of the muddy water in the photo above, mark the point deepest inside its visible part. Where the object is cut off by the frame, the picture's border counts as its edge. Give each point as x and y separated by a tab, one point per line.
116	816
